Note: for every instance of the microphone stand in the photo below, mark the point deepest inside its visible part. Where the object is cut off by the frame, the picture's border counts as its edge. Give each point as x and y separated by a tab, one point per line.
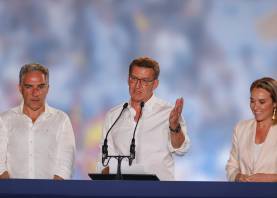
119	158
119	161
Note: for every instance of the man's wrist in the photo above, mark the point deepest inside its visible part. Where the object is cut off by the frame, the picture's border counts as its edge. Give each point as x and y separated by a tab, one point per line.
175	130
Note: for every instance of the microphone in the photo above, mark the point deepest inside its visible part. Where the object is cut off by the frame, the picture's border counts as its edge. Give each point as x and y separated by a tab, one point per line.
133	143
105	145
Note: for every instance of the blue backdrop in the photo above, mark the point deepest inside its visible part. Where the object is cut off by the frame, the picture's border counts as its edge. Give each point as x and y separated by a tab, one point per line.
209	52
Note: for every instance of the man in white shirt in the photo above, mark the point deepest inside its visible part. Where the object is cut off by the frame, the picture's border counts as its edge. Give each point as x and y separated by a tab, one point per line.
36	140
160	132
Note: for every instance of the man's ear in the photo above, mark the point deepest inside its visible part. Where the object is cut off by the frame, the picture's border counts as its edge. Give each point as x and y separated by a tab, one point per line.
48	88
156	83
19	88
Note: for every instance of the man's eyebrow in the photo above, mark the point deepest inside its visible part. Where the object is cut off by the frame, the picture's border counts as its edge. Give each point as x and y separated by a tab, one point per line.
143	78
42	84
26	84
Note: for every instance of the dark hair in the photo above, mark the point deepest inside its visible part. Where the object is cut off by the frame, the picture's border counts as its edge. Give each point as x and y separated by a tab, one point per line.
146	62
33	67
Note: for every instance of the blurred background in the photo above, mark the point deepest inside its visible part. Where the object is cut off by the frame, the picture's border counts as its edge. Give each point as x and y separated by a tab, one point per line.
209	53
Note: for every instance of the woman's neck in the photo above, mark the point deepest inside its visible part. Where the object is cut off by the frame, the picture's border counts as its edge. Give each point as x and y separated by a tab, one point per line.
264	124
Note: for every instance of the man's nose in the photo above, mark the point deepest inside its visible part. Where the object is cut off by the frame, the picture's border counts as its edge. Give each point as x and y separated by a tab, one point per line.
35	91
138	83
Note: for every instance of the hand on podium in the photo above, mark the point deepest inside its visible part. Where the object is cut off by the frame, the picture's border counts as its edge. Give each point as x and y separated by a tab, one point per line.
106	170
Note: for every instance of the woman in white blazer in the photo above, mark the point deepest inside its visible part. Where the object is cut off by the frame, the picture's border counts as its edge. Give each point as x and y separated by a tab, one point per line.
253	157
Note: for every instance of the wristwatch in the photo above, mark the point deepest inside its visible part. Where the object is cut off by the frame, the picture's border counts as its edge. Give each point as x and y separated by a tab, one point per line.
176	130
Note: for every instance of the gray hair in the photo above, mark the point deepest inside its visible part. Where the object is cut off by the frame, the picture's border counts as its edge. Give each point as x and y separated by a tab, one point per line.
33	67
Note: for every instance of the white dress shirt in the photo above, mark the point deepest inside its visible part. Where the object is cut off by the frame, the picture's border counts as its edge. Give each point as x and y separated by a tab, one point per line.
36	150
153	143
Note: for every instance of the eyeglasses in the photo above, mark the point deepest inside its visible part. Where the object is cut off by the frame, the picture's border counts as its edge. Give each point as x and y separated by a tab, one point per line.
143	81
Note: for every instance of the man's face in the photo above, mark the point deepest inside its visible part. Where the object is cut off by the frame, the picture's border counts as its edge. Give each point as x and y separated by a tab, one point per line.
34	89
141	84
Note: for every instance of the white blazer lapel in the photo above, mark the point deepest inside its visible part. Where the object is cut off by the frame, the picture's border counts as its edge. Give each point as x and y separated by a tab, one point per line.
250	145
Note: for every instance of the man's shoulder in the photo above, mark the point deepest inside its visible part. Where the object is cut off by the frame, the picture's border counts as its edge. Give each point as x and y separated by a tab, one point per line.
116	108
9	112
56	112
158	102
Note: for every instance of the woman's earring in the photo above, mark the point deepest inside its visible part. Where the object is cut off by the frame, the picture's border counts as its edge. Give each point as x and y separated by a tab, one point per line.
274	114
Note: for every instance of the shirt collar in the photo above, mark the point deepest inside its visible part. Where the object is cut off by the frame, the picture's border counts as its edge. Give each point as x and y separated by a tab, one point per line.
19	109
149	104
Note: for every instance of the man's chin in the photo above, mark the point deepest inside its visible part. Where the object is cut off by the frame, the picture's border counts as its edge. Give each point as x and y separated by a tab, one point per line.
36	107
137	99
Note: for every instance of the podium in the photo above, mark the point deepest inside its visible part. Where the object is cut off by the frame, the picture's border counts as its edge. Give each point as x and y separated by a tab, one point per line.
15	188
138	177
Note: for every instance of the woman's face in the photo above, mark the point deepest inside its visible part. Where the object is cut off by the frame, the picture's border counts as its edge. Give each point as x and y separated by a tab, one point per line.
261	104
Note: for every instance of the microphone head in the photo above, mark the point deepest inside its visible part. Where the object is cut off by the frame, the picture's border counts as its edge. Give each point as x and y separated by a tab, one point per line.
104	149
104	152
132	152
125	105
130	161
132	157
141	104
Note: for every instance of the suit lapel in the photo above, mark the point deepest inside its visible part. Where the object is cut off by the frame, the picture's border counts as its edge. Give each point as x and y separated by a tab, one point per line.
250	145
